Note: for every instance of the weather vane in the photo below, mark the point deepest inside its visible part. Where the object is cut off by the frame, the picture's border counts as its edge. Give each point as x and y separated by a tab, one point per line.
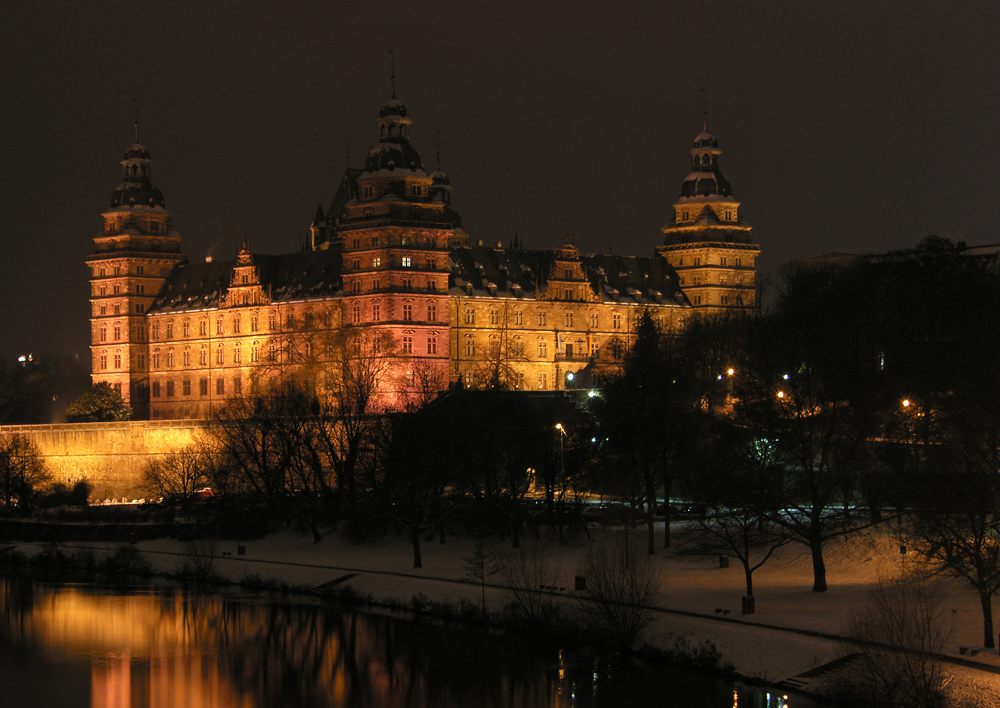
135	103
392	69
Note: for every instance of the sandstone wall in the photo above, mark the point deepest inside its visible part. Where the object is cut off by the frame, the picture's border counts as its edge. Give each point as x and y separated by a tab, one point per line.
109	456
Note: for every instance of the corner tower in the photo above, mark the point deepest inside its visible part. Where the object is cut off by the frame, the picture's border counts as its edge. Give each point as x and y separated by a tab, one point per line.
132	257
707	239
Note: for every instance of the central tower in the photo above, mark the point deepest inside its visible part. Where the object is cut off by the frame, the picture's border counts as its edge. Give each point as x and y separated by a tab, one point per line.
394	224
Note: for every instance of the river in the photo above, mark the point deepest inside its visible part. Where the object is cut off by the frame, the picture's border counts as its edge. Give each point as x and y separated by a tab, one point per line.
166	646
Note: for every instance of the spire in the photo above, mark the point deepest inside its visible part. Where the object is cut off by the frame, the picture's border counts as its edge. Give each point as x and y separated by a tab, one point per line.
392	69
704	96
438	151
135	103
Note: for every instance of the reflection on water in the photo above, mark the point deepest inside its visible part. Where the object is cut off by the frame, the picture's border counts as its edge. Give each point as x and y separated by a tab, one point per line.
158	647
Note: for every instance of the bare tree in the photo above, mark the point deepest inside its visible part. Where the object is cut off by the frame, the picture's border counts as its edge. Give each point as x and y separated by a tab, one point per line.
179	473
22	471
527	575
897	635
622	588
497	368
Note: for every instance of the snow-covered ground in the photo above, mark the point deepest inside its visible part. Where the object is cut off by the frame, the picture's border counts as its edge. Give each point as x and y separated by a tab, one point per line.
695	590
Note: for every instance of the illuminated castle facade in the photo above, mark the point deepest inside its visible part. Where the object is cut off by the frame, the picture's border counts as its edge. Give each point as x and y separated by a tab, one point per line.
389	267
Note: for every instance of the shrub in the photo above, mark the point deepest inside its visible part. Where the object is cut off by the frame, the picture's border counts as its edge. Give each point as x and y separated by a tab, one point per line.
128	562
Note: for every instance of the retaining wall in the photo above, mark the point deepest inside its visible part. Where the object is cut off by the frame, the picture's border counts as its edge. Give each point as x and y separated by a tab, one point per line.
109	456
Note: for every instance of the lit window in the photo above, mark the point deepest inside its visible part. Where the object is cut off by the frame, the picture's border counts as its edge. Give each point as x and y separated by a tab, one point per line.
407	261
376	262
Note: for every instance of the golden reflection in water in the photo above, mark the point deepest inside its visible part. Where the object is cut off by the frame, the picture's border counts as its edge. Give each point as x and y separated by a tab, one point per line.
174	649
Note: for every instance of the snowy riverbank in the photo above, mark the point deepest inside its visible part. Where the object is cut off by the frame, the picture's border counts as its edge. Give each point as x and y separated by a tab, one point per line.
792	632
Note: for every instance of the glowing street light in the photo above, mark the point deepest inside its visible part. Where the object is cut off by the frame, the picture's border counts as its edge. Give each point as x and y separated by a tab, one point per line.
730	372
906	403
781	394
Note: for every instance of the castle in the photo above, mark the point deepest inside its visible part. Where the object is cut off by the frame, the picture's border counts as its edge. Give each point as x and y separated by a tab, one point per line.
388	265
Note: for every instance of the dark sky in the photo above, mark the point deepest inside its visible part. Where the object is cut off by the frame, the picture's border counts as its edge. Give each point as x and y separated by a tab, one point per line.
852	126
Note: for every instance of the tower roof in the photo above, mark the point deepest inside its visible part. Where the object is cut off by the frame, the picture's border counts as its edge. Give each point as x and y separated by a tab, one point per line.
137	190
393	150
705	182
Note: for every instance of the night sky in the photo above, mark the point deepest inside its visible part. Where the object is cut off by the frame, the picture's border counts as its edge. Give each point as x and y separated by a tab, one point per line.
845	126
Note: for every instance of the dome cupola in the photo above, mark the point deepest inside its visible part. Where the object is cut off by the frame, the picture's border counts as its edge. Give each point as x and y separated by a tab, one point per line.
137	190
705	181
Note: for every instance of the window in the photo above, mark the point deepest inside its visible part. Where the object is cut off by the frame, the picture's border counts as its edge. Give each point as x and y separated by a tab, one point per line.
616	321
543	381
541	319
272	321
156	360
156	331
104	334
739	261
432	345
140	289
368	195
543	349
253	323
407	344
255	353
156	389
103	272
118	332
376	284
272	352
237	355
203	357
236	325
568	294
187	358
203	387
220	356
376	242
406	261
140	360
116	289
309	350
355	313
697	260
407	283
139	308
187	329
104	362
237	386
356	263
203	328
118	309
568	273
407	311
518	317
356	286
104	309
494	317
102	290
170	359
409	377
725	300
405	241
186	387
140	270
220	386
722	260
170	330
470	316
432	312
595	350
376	312
470	347
170	389
470	379
376	262
696	300
219	327
569	319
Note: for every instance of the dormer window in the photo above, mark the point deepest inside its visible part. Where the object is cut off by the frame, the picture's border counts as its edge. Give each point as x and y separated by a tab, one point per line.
368	192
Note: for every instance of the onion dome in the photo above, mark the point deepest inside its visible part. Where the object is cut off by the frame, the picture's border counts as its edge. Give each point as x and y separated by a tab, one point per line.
705	178
137	190
393	151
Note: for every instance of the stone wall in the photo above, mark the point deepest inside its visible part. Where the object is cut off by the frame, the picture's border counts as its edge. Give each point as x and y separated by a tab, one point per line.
109	456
